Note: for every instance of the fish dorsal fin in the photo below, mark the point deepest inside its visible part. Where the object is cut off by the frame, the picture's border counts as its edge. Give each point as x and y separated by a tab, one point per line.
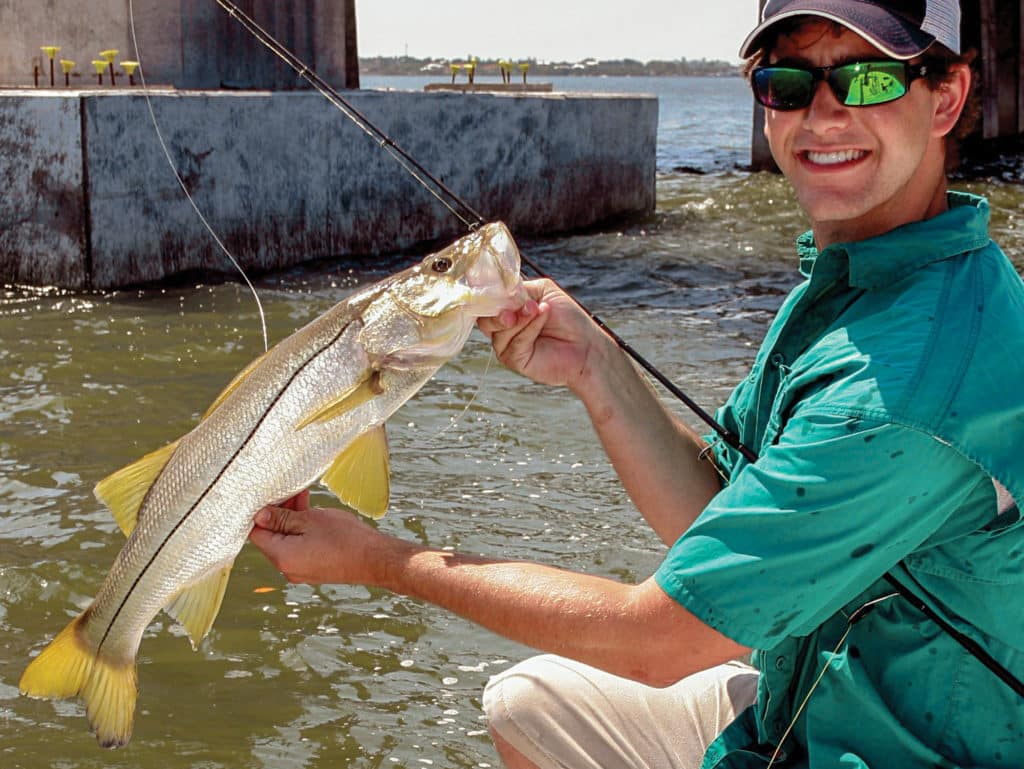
197	605
234	384
360	475
124	490
363	391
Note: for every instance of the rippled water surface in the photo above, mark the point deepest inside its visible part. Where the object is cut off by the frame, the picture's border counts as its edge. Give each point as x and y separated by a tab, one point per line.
483	461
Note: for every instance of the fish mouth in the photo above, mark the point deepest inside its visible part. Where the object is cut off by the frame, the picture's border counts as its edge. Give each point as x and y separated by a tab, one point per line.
495	277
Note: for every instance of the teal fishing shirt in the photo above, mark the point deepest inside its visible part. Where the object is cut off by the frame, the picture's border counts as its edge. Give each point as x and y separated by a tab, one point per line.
886	397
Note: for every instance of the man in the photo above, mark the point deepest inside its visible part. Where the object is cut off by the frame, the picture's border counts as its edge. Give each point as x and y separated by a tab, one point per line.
885	409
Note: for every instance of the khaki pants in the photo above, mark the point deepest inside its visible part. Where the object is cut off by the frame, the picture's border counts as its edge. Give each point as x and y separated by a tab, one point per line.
562	714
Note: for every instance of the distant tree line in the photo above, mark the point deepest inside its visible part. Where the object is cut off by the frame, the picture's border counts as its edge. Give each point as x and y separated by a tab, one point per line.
488	68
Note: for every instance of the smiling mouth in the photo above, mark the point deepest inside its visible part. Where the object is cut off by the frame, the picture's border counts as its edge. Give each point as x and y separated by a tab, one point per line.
835	158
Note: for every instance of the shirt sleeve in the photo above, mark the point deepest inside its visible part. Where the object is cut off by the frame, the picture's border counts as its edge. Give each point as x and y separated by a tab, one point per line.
822	514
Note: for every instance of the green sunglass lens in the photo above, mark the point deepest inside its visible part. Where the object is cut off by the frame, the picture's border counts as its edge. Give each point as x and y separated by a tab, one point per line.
865	85
784	88
859	84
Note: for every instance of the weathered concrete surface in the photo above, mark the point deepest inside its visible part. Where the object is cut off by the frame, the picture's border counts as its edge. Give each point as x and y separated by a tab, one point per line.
187	44
43	230
284	178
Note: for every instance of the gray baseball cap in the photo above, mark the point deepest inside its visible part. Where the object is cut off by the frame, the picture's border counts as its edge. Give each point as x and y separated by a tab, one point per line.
902	29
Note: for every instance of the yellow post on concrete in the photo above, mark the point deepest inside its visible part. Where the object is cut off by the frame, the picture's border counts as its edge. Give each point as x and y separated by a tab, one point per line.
51	51
130	67
100	65
66	66
108	56
523	66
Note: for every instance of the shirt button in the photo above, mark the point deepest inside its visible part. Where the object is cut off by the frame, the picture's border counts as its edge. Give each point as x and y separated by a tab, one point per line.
781	663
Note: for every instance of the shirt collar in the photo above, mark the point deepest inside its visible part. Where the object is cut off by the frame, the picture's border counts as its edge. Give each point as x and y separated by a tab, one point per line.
888	258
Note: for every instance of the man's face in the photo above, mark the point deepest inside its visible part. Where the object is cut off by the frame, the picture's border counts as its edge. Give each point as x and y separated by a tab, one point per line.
857	171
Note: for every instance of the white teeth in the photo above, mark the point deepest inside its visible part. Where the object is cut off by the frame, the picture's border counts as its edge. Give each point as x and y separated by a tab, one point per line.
834	158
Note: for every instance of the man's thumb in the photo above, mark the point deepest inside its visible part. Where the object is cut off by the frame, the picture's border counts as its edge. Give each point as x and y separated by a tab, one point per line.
279	520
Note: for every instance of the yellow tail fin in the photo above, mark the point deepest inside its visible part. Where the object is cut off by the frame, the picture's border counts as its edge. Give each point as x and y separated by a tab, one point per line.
68	667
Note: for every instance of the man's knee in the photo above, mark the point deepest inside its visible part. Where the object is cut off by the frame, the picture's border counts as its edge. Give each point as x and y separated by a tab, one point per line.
517	700
557	713
510	756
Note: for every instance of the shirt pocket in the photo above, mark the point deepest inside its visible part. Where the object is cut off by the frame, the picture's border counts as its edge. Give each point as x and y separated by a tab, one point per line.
979	577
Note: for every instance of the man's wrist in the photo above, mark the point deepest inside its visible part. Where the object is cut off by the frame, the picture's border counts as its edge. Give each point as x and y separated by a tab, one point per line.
389	563
604	378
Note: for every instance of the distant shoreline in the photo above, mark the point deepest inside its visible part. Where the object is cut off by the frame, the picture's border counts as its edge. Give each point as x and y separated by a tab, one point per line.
490	69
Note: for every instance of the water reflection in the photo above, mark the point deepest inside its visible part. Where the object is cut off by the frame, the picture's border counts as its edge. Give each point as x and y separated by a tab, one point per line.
484	461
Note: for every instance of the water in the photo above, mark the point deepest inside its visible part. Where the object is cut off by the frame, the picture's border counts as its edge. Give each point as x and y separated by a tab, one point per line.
483	461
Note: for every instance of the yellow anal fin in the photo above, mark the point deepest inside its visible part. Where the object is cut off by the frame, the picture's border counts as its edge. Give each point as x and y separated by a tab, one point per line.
366	389
360	475
124	491
233	385
68	667
196	606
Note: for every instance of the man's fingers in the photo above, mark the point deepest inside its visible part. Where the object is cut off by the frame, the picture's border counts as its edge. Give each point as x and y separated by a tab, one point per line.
279	520
515	346
507	320
299	502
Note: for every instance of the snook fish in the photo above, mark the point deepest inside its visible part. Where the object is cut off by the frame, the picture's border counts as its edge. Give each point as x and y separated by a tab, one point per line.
312	407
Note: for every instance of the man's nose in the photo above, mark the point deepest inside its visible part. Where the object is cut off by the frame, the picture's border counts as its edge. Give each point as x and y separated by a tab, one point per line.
825	109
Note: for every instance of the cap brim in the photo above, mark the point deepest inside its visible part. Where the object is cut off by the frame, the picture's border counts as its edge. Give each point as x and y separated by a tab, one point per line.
892	35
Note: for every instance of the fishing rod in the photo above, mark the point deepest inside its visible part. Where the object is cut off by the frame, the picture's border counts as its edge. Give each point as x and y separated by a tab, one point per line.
473	219
460	208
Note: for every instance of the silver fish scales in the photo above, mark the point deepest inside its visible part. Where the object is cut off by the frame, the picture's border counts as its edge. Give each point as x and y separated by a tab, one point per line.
314	406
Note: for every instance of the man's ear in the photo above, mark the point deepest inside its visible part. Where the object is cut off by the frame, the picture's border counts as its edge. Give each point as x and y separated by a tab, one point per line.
952	96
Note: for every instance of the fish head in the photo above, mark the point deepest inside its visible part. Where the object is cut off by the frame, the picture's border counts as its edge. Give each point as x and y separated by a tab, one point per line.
477	275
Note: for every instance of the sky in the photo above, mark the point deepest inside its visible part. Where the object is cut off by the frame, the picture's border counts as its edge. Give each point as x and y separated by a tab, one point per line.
554	30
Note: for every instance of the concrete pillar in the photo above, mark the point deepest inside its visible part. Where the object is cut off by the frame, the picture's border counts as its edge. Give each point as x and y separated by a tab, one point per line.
760	154
89	201
189	44
351	46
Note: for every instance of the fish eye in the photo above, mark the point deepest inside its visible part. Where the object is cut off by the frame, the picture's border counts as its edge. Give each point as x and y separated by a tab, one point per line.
442	264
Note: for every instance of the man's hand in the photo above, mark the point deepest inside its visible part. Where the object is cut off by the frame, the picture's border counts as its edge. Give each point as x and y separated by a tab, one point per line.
549	339
319	545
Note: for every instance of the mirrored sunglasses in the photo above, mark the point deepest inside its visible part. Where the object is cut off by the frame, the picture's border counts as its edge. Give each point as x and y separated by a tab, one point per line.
857	84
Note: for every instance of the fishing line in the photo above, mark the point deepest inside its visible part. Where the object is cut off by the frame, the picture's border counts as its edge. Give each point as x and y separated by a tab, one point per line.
851	620
472	219
461	209
453	421
181	182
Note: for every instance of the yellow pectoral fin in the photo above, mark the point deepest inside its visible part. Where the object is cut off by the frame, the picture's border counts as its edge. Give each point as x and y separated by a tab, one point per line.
233	385
124	491
360	476
196	606
366	389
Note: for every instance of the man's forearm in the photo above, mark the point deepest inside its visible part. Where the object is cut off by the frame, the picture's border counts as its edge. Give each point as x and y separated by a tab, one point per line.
660	464
635	631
